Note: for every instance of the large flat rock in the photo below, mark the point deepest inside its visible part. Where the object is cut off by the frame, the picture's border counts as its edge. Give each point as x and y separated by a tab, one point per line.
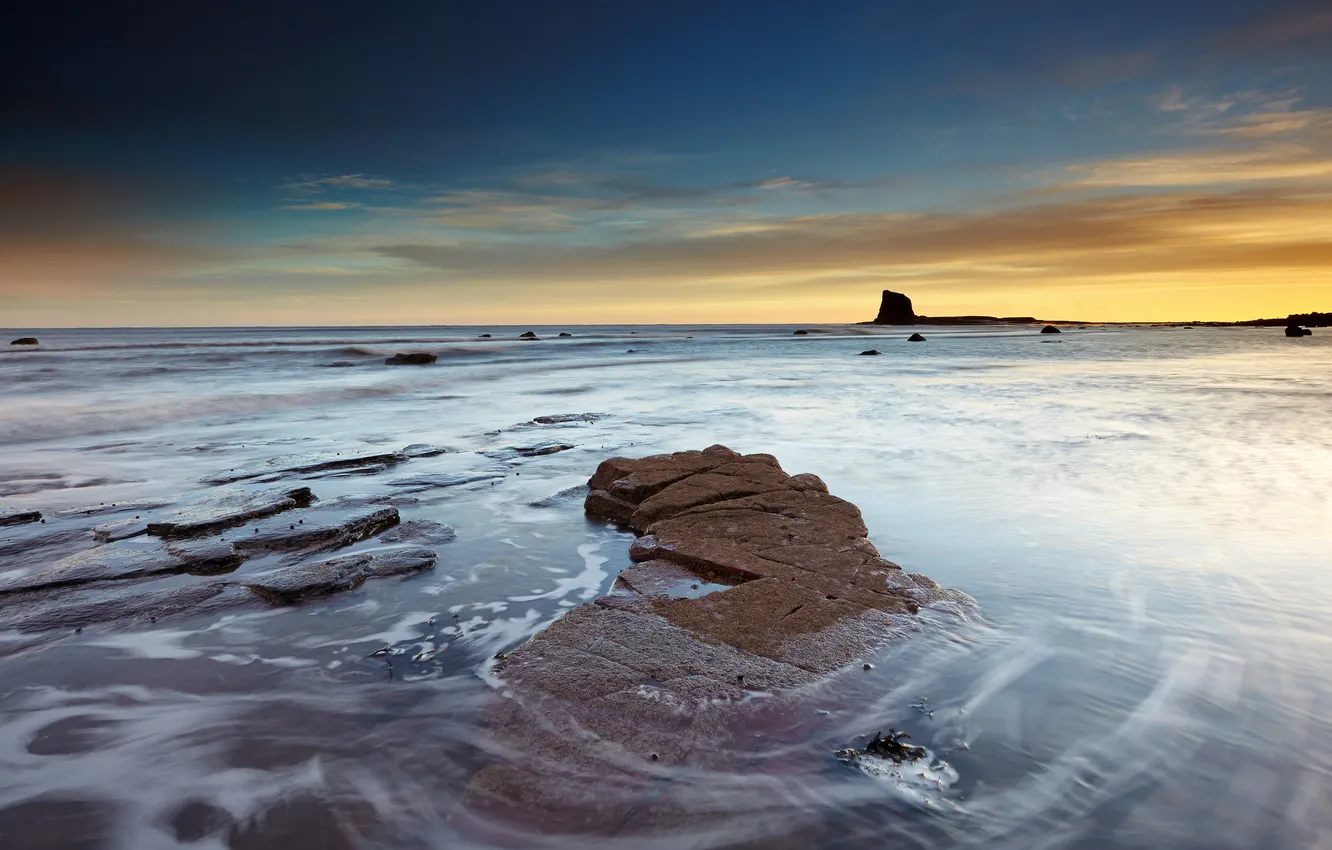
15	516
317	527
748	583
122	561
293	584
225	508
368	456
84	606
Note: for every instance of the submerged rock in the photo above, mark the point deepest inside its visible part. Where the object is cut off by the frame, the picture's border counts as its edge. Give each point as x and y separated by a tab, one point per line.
569	418
915	338
366	456
304	581
25	340
121	529
426	482
121	561
225	508
10	516
535	450
890	747
747	581
1050	329
872	352
568	494
419	531
416	358
423	450
80	607
800	333
322	528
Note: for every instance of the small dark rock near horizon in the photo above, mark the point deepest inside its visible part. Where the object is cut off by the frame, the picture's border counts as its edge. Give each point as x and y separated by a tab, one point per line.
915	338
1296	330
528	335
870	353
25	340
417	358
1050	329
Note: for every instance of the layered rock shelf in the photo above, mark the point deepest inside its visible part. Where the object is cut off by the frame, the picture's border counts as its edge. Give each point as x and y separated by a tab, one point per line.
747	582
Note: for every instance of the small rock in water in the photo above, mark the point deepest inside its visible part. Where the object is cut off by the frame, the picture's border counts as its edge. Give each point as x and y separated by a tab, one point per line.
528	335
870	353
17	517
563	334
25	340
416	358
328	527
424	482
535	450
915	338
800	333
568	418
293	584
1050	329
419	531
352	456
423	450
890	747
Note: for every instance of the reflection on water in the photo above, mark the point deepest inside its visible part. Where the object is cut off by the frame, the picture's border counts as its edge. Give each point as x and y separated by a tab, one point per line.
1142	514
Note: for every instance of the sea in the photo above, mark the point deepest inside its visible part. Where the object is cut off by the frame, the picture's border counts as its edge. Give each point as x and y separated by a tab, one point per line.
1142	514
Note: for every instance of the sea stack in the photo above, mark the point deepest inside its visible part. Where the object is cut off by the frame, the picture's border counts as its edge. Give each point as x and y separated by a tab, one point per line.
895	309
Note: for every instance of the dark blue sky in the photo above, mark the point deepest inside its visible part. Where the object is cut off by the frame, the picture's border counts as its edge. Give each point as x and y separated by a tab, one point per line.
731	160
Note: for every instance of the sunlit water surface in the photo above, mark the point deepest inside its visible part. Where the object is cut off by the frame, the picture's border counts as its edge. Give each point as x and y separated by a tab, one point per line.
1143	515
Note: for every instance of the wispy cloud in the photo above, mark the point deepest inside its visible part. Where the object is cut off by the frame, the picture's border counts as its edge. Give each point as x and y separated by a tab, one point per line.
1088	239
323	205
341	181
1264	163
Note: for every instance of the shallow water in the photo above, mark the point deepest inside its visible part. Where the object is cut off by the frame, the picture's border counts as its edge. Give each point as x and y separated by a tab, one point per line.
1142	514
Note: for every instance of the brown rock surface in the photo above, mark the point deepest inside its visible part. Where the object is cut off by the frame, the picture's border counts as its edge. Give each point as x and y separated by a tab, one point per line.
749	584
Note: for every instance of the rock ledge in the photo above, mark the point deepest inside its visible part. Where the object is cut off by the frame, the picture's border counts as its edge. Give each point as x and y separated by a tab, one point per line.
748	583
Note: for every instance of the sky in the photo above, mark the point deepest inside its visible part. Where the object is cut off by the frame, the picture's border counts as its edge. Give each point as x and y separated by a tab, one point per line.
496	162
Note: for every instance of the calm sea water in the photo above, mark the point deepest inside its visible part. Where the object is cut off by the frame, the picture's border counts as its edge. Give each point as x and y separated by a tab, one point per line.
1144	516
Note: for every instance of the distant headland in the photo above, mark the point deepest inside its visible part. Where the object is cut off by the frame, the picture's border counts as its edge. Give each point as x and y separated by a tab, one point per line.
895	309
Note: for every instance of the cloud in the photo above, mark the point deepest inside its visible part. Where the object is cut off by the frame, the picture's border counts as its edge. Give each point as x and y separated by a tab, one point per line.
323	205
343	181
1272	161
782	183
1172	100
1148	234
1310	25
